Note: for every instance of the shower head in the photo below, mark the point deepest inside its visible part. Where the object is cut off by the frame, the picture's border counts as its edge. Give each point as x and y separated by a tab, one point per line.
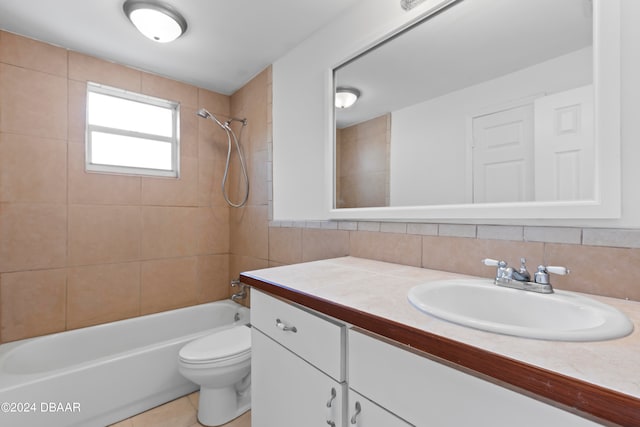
203	113
207	115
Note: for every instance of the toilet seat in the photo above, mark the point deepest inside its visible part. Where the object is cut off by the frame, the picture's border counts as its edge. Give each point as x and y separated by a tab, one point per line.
227	345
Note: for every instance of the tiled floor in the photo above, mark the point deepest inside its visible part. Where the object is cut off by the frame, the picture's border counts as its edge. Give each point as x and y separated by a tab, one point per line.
181	412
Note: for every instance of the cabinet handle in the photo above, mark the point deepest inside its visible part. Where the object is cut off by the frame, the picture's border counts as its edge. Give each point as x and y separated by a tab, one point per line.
329	402
331	399
284	327
355	416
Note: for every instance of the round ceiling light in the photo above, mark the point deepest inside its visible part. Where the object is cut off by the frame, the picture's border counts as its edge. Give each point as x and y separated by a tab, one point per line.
346	97
157	21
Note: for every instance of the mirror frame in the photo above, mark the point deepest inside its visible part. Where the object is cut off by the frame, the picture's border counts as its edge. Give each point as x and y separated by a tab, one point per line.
608	200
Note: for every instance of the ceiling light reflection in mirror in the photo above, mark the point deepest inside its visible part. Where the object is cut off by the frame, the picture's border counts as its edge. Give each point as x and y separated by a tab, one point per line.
489	101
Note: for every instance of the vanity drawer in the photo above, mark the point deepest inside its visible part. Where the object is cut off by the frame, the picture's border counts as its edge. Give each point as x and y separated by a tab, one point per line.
425	392
315	338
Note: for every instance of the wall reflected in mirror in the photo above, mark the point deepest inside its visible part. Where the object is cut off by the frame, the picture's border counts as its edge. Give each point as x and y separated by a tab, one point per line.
487	101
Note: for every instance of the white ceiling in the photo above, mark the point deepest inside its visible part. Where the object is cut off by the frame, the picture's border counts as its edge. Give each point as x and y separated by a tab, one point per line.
226	44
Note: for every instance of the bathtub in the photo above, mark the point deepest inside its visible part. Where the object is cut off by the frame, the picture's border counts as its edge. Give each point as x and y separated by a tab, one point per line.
102	374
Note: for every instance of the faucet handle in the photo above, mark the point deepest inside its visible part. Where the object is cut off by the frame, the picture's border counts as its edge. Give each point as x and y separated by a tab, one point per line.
493	262
555	269
542	275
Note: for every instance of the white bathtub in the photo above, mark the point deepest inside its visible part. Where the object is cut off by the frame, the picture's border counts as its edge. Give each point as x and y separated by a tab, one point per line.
102	374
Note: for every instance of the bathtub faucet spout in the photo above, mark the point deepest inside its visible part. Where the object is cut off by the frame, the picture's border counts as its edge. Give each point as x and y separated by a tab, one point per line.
242	293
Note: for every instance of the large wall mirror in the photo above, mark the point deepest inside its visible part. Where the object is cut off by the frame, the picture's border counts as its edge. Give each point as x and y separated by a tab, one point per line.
484	109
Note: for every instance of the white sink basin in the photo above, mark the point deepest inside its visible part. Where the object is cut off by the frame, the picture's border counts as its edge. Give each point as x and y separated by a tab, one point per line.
480	304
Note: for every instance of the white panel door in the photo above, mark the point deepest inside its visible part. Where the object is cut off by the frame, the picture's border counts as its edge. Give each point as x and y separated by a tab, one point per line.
565	145
503	156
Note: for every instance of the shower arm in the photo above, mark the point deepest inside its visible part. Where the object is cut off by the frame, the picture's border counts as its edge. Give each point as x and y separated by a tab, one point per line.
207	115
235	119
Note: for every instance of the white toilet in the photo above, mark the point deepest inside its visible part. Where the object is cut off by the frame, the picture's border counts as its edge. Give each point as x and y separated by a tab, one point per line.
221	364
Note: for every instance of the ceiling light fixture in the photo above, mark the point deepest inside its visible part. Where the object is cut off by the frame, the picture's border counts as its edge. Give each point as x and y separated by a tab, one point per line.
157	21
346	97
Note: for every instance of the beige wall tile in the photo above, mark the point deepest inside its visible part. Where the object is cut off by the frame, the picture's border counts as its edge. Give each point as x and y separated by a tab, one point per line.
212	140
99	188
258	193
168	284
323	244
240	263
103	234
33	303
250	231
464	255
209	178
285	245
33	103
213	230
32	236
214	282
77	111
32	54
181	191
391	247
32	169
596	270
250	102
214	102
86	68
189	131
172	90
169	232
102	293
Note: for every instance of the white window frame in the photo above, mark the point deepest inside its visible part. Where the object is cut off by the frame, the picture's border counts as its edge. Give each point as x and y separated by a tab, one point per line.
174	139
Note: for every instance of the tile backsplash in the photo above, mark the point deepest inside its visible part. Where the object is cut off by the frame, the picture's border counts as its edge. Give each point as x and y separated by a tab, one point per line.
602	261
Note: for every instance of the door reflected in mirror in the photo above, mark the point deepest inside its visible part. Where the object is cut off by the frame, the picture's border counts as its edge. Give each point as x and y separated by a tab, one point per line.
487	101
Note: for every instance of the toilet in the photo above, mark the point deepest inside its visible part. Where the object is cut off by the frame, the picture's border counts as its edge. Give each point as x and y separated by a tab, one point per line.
221	364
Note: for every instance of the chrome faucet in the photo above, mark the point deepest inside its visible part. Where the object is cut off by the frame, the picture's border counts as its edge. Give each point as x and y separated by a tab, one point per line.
242	293
521	279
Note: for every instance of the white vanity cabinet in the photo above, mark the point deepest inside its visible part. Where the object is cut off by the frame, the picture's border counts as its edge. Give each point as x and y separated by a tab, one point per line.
297	366
428	393
311	370
364	413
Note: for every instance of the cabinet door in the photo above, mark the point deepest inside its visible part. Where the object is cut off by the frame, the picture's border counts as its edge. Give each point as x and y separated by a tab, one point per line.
287	391
365	413
427	393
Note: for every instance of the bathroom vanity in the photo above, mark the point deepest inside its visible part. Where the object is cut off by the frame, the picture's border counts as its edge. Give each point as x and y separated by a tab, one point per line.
336	342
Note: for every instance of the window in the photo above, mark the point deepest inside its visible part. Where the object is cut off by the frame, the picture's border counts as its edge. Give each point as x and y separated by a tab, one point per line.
130	133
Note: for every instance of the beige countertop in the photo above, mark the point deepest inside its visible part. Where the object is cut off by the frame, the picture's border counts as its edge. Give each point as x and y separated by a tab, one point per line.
379	289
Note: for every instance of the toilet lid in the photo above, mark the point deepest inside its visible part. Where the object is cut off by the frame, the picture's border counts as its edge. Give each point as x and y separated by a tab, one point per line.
222	345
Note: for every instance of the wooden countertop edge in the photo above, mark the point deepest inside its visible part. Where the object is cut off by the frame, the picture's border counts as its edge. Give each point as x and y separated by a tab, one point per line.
592	401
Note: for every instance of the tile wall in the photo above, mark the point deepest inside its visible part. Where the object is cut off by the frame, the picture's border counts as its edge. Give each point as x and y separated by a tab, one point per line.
78	248
363	154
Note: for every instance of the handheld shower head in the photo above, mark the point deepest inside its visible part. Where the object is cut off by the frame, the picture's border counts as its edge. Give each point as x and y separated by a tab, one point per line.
227	128
207	115
203	113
